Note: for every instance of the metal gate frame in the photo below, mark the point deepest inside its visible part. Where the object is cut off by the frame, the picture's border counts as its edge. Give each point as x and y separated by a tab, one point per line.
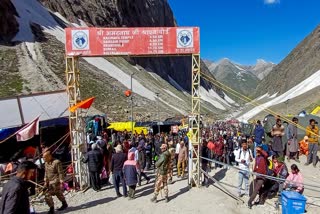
77	123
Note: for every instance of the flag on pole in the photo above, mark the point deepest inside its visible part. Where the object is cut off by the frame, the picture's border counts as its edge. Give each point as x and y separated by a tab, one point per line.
28	131
83	104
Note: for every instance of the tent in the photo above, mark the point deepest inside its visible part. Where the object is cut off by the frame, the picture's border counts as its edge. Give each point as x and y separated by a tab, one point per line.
127	126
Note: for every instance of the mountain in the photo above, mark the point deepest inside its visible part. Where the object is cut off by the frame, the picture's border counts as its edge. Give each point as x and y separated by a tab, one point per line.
262	68
32	58
293	85
235	76
302	62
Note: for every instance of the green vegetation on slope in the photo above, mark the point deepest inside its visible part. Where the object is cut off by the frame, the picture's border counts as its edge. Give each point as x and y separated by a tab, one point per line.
11	82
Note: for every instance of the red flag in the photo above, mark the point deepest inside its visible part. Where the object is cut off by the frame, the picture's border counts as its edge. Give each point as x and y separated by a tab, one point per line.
29	130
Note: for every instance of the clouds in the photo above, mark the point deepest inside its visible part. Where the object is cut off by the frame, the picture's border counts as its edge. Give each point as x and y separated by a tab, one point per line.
271	1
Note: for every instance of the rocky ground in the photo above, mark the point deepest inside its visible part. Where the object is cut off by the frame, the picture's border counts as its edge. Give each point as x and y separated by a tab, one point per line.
183	199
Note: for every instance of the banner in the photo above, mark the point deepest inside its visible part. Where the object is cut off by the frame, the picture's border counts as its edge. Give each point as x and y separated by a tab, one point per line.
29	130
132	41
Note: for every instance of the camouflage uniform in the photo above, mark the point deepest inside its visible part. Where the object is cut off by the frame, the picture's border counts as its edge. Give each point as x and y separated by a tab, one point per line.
171	164
53	175
162	178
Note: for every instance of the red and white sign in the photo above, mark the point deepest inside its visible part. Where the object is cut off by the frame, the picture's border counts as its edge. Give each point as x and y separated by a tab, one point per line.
132	41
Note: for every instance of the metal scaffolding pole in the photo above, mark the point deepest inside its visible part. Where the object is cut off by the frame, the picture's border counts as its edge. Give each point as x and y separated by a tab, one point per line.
76	123
194	149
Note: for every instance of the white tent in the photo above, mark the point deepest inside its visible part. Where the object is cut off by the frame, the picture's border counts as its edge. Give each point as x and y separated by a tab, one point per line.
17	111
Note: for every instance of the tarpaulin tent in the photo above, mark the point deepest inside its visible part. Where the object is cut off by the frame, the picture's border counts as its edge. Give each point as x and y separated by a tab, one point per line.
127	126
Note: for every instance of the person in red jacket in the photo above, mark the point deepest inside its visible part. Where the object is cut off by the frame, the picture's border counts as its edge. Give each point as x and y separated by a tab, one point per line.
218	151
261	168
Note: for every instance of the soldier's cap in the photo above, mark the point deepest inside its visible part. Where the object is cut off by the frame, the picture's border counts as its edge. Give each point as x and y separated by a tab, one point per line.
163	146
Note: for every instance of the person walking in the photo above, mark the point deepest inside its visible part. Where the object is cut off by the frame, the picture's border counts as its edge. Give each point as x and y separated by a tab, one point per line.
204	162
15	195
171	164
292	136
94	158
243	158
161	176
182	158
141	165
130	171
117	163
312	131
53	179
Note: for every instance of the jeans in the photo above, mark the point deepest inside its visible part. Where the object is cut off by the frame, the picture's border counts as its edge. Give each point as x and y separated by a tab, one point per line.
117	178
313	149
243	176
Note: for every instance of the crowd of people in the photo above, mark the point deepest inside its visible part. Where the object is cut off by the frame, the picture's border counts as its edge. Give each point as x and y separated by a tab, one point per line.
265	150
123	160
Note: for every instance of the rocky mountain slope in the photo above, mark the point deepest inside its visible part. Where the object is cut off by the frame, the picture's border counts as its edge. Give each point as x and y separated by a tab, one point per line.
262	68
243	79
302	62
293	85
32	58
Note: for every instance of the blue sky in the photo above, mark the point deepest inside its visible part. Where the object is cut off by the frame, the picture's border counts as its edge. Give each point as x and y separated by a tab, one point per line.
246	30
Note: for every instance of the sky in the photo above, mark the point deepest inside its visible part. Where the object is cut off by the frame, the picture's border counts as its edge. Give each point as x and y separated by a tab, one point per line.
247	30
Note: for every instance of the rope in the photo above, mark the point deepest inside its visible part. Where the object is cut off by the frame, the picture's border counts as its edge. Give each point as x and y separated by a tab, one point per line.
64	137
220	187
280	180
5	177
252	102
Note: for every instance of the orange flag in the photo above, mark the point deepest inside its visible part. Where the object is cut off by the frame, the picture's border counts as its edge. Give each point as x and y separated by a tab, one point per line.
83	104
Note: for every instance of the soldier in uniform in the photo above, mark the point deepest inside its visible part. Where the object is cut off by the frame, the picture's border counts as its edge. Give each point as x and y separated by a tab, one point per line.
53	179
162	174
171	163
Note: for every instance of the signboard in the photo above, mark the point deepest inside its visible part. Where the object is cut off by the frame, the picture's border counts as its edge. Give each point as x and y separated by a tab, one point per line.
132	41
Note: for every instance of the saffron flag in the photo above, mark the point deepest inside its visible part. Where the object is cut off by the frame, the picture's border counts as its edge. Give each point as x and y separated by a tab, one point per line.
83	104
29	130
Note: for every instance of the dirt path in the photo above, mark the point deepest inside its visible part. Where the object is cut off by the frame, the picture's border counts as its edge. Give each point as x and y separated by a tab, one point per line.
182	200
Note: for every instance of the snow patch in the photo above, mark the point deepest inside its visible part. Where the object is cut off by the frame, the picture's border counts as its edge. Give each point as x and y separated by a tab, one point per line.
238	67
31	50
206	96
308	84
121	76
172	94
228	99
274	95
173	107
263	96
32	11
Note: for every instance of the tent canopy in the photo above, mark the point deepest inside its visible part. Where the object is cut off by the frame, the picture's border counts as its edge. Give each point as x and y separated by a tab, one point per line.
127	126
17	111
